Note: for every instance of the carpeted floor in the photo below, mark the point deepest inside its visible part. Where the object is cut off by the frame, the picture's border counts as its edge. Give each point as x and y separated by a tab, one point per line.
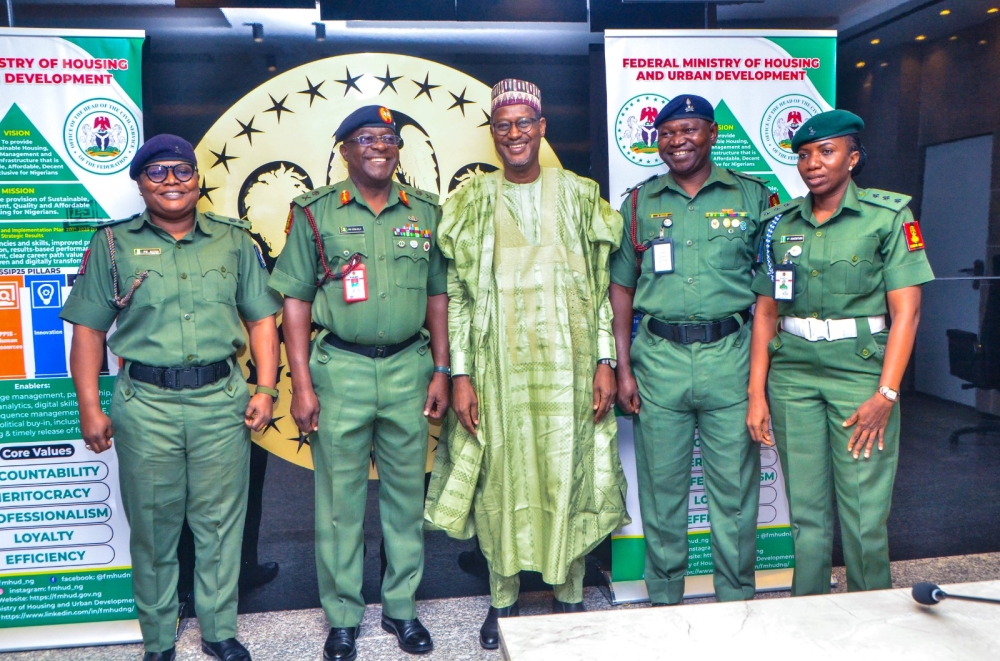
946	502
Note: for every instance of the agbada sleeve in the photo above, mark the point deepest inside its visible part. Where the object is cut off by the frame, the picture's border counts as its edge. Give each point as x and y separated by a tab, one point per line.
455	213
605	235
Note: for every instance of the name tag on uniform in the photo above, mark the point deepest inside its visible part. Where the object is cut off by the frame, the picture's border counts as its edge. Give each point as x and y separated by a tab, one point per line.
141	252
355	284
784	282
353	229
663	255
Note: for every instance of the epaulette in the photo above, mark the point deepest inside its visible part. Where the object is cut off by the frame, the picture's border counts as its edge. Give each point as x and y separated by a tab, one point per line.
309	197
894	201
781	208
242	223
744	175
640	184
423	195
116	221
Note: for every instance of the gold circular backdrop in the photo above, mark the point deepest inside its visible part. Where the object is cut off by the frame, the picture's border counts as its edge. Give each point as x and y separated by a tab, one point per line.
277	142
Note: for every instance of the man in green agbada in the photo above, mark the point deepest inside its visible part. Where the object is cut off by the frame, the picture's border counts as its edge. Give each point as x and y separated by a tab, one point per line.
534	459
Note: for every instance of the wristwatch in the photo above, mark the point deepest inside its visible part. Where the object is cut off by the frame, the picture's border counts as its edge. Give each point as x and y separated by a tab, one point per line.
888	393
609	362
442	369
267	391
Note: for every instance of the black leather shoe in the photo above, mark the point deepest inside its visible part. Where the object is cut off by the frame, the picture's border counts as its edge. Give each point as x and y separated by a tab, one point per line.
413	637
340	644
165	655
225	650
563	607
256	576
489	633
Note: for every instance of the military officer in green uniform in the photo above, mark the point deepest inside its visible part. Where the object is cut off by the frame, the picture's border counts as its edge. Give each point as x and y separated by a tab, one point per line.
361	261
835	263
685	265
177	283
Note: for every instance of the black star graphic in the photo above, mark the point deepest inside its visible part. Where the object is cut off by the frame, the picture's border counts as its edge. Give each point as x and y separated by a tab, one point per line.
313	91
204	190
278	107
351	81
248	129
388	82
487	122
221	158
425	88
301	440
273	424
460	101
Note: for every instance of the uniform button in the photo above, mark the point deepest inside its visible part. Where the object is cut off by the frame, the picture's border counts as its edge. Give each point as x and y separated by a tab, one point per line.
378	222
864	352
381	256
382	295
690	242
223	269
138	271
347	253
381	333
128	393
229	388
819	233
691	208
854	258
691	317
690	281
179	246
187	316
815	315
184	276
814	273
190	358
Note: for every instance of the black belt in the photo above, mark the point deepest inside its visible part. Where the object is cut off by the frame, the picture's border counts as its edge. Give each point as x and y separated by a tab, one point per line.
712	331
178	378
383	351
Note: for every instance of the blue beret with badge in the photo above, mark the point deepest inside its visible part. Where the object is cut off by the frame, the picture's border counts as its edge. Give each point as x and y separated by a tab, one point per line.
686	106
378	116
830	124
163	147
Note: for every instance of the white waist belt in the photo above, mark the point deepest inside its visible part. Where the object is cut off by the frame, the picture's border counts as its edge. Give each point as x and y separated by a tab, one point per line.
828	329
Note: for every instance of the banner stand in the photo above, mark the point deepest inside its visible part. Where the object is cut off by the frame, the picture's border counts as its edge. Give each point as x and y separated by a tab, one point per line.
83	634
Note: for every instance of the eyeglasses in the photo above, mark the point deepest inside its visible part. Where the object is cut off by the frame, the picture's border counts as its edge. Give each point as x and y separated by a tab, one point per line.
158	173
523	125
367	140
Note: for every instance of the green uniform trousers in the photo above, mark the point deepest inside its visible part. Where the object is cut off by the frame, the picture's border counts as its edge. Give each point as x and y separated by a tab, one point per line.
183	453
683	386
364	401
813	388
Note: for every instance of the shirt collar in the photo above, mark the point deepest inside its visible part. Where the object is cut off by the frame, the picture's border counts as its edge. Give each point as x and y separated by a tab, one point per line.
347	185
201	222
718	175
850	202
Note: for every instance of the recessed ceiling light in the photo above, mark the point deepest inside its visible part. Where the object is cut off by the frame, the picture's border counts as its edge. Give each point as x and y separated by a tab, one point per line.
945	12
860	65
992	10
982	42
884	64
876	41
921	37
953	37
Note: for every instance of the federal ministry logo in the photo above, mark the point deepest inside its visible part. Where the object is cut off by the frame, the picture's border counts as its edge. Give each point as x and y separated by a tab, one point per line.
101	135
782	120
634	130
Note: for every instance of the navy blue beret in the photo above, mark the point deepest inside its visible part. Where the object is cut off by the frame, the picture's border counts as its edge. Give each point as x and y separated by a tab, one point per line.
163	147
366	116
686	106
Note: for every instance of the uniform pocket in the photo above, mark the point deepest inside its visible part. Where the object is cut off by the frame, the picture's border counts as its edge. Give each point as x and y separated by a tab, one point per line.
727	249
411	263
338	249
219	276
152	290
852	265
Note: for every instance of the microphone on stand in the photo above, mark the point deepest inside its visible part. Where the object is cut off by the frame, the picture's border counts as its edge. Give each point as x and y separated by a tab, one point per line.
930	594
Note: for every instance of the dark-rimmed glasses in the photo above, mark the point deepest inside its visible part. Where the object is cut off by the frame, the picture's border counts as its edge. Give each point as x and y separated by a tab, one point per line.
367	140
157	173
523	125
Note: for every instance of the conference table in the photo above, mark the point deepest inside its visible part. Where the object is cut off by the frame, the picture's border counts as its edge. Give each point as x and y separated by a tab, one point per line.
880	625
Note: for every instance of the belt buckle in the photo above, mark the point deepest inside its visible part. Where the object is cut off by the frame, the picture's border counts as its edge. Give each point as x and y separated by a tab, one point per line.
819	329
688	336
187	378
379	352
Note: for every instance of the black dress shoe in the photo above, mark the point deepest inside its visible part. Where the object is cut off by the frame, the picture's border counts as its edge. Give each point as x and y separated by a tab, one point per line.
165	655
413	637
225	650
256	576
563	607
489	633
340	644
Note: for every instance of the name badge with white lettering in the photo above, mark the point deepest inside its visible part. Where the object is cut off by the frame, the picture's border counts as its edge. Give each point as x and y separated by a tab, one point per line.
663	255
142	252
784	283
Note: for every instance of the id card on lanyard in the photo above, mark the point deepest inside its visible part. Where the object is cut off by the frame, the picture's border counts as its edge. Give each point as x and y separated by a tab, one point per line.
355	283
663	255
784	283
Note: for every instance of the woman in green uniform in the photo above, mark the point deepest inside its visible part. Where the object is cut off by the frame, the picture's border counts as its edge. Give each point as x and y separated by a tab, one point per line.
837	266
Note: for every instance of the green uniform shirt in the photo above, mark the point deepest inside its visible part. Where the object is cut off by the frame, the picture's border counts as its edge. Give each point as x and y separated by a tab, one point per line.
187	311
847	263
402	268
712	262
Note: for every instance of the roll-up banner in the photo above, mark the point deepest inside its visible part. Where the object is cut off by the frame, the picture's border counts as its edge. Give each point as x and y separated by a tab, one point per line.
764	84
70	122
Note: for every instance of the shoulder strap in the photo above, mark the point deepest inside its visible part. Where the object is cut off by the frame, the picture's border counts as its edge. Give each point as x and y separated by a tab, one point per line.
894	201
242	223
634	230
120	301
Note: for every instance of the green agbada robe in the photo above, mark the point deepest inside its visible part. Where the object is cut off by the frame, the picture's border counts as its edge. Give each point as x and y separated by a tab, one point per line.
528	319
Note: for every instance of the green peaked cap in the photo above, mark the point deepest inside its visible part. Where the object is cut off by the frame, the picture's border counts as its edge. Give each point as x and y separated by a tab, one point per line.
830	124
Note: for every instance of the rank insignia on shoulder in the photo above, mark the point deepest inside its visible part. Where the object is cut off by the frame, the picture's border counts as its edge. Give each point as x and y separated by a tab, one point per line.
404	198
773	200
345	197
145	252
914	238
260	255
83	262
288	223
353	229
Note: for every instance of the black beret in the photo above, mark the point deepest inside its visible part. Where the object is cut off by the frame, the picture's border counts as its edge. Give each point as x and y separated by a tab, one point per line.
831	124
366	116
686	106
163	147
